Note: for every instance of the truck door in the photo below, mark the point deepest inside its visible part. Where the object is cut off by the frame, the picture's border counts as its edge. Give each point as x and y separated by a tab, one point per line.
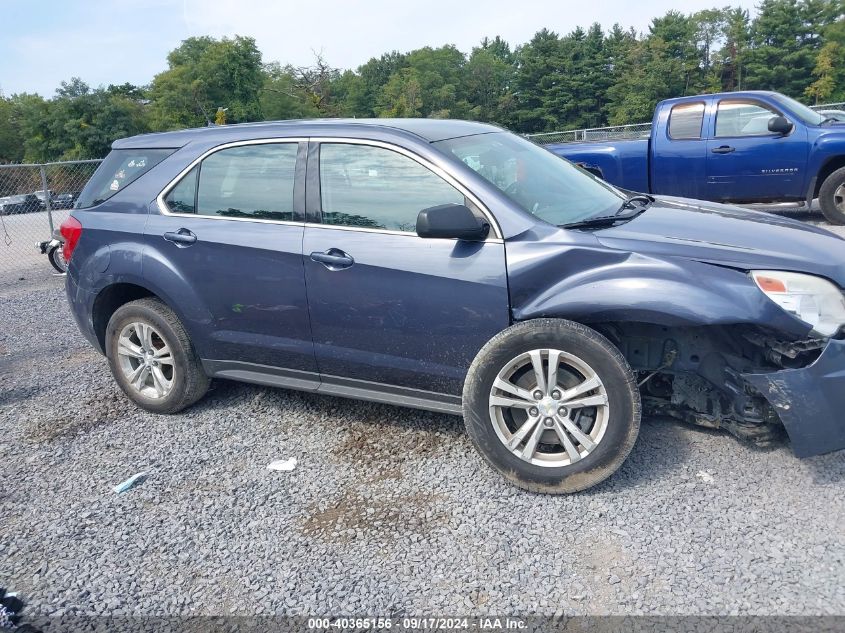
746	162
679	151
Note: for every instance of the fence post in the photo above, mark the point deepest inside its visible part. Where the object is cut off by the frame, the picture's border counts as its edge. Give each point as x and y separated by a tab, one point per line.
46	197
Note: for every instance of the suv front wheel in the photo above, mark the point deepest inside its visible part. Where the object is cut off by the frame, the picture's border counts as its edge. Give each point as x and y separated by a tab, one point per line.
552	405
152	358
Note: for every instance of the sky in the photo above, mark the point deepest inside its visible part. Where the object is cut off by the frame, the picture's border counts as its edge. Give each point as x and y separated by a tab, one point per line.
114	41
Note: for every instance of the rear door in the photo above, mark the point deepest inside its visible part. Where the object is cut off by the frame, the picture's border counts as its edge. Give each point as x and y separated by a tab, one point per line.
678	160
746	162
227	238
387	306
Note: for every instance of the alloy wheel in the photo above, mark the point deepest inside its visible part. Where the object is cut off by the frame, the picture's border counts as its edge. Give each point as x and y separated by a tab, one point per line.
549	407
145	360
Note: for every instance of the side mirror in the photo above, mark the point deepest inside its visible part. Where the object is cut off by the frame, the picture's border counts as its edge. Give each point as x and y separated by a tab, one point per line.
453	221
780	125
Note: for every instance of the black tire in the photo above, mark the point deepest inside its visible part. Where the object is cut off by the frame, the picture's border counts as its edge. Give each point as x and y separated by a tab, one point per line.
189	381
623	420
828	198
57	259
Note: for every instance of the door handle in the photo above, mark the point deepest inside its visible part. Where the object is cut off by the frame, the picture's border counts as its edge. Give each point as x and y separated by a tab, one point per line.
723	149
333	259
182	237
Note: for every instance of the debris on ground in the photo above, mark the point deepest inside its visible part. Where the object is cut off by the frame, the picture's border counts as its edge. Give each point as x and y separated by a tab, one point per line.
705	476
283	465
134	480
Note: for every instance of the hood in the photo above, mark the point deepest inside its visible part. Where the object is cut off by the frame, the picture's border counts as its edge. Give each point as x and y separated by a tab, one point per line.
729	236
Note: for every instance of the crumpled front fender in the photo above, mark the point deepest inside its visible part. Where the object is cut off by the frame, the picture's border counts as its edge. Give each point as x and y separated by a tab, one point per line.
810	401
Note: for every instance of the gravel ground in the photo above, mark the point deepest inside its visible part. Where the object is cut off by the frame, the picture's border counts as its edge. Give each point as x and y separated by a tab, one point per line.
389	511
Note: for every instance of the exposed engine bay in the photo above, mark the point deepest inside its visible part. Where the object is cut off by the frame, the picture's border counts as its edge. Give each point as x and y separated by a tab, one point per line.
699	375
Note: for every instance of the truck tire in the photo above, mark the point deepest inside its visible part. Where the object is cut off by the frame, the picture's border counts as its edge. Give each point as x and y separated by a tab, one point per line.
552	405
152	358
832	197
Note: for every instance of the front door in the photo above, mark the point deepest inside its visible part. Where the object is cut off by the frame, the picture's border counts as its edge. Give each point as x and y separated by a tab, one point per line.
231	231
389	307
746	162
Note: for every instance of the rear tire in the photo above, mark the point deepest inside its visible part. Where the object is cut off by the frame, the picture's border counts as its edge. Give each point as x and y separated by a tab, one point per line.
152	358
832	197
572	446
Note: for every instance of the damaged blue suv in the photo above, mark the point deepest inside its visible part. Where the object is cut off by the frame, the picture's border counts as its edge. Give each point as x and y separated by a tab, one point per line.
455	267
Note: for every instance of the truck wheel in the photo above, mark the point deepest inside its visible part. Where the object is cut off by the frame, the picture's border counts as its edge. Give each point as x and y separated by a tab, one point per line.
152	358
552	405
832	197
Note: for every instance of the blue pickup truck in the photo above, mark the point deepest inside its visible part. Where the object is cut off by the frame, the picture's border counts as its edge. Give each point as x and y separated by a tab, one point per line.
737	147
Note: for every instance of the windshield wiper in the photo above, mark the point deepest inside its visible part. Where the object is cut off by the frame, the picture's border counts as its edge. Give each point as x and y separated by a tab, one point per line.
630	201
605	220
829	119
630	205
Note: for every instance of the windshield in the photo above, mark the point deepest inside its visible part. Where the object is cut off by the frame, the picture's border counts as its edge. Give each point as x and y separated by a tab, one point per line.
545	185
121	167
808	116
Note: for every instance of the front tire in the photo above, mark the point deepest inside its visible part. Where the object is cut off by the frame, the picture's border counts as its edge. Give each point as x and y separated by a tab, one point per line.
832	197
552	405
152	359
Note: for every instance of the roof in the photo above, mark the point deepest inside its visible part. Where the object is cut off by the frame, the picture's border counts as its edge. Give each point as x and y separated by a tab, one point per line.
430	130
738	94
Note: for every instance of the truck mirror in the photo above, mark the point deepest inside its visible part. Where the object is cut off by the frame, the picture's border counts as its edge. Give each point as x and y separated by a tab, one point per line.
780	125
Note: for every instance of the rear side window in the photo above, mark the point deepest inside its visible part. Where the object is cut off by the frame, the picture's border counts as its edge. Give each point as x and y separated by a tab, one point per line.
685	121
250	181
373	187
120	168
183	197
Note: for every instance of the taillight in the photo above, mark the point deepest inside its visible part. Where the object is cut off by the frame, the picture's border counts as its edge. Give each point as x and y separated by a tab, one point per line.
71	230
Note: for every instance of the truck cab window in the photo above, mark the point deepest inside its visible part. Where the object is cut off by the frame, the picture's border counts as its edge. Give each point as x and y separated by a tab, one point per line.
743	118
685	121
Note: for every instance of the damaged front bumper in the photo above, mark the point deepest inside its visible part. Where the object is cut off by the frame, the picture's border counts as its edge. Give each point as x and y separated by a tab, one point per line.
810	401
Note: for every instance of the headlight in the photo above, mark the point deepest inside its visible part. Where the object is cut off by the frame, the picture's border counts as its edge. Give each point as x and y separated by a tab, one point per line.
812	299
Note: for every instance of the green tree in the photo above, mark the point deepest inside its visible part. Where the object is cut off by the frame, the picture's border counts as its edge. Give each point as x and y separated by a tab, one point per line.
535	76
282	98
11	141
786	38
829	71
204	74
401	96
487	79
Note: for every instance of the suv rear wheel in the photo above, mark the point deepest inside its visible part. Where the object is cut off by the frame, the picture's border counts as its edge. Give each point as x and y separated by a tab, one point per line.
152	358
832	197
552	405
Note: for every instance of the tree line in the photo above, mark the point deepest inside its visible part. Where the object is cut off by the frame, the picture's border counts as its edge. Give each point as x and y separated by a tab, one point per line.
585	78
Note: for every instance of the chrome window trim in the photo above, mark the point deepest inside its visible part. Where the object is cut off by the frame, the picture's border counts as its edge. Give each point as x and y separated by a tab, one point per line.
425	163
162	206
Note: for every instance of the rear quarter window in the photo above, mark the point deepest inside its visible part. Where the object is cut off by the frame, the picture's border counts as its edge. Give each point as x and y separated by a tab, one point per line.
685	121
120	168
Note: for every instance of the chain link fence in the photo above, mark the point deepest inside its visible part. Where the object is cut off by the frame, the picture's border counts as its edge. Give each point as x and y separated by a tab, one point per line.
35	200
630	131
622	132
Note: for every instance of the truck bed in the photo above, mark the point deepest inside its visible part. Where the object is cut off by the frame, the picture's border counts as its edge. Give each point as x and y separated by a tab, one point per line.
622	162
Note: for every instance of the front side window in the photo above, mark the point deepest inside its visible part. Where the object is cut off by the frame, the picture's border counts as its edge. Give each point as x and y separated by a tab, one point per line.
743	118
374	187
249	181
685	121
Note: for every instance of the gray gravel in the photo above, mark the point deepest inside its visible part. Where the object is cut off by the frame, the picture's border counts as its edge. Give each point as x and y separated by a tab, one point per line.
389	510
